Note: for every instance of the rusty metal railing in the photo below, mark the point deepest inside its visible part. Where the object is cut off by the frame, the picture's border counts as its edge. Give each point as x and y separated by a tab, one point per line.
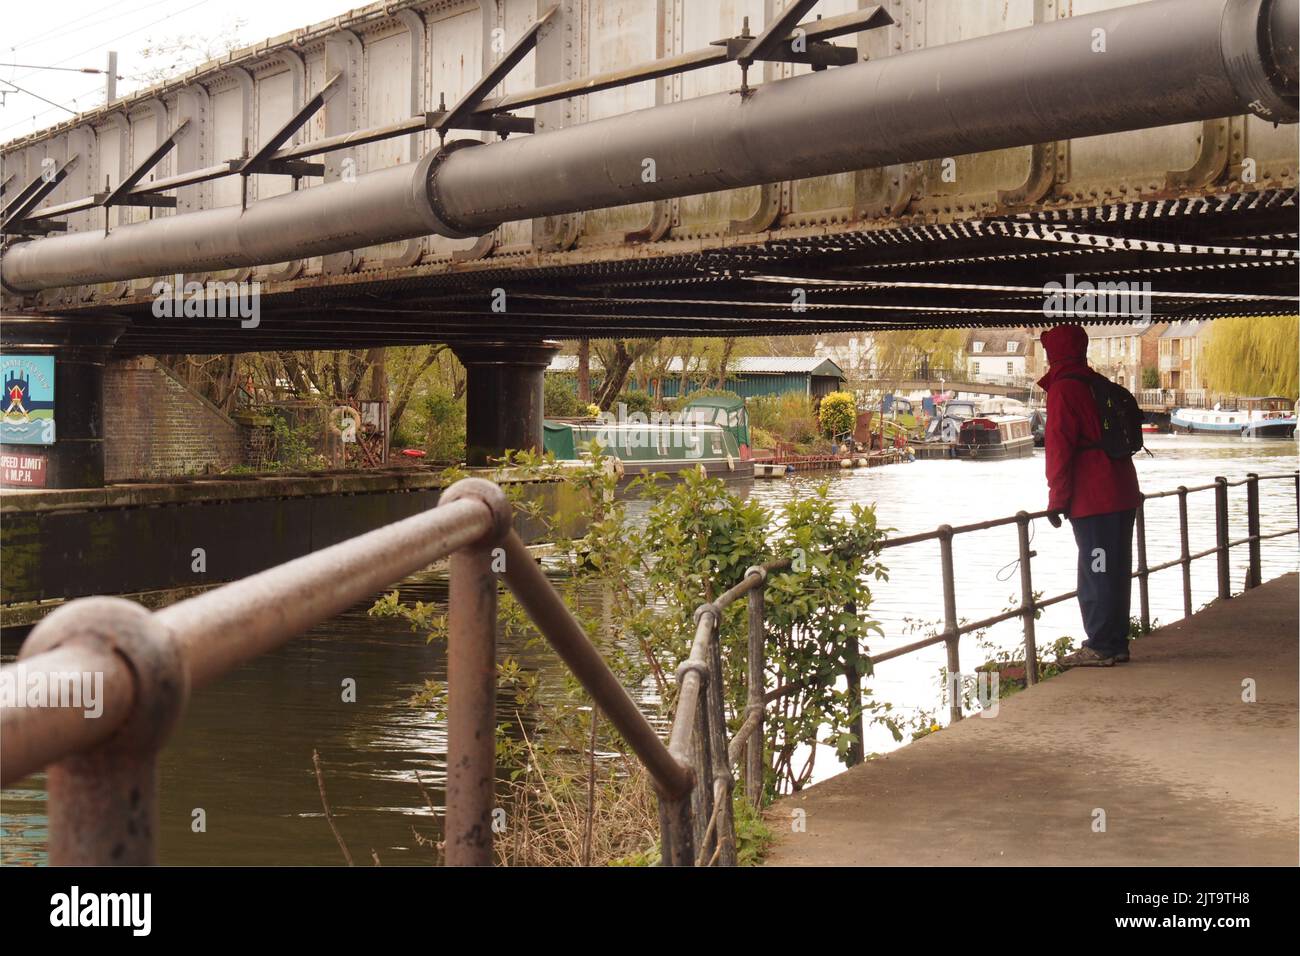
698	828
103	772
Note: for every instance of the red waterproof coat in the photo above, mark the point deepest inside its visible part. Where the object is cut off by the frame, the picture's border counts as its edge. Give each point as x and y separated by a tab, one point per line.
1081	481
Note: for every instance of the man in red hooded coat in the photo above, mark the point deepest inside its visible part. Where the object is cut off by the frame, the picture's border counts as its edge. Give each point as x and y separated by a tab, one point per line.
1098	493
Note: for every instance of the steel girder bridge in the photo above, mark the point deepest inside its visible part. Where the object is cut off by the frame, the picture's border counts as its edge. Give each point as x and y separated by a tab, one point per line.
495	174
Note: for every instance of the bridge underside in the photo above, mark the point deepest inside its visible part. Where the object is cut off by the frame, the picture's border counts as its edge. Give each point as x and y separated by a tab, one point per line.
1232	254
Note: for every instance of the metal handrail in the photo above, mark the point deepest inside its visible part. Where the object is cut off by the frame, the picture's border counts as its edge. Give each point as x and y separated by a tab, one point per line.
682	834
102	784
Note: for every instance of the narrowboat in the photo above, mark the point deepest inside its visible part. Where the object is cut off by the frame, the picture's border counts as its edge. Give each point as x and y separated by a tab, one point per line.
994	437
645	448
1262	417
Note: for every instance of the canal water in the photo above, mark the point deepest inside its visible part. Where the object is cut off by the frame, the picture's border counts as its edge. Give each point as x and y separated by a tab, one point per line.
242	754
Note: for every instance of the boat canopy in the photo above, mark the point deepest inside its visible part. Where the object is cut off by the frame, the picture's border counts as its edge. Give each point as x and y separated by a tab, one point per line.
726	411
570	440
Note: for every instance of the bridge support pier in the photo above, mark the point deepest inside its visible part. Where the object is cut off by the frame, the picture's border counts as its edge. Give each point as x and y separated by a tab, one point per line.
503	397
80	348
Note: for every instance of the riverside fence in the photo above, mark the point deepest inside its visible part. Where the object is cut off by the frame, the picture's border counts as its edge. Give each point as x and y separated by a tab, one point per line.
103	772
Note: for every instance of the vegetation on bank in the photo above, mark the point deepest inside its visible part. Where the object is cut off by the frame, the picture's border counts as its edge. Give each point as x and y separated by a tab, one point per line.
1255	355
635	590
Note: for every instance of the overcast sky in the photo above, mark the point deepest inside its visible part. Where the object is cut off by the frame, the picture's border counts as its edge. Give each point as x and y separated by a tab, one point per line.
79	33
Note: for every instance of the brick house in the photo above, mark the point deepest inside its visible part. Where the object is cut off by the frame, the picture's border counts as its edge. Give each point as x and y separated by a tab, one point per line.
1180	356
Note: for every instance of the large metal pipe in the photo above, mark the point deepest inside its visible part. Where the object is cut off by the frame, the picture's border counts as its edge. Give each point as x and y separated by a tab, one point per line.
1151	64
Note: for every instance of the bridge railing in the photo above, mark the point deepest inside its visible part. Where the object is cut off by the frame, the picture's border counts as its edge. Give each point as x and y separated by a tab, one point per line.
103	772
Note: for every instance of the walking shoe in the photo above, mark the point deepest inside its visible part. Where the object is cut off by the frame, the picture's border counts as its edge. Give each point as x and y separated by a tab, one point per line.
1086	657
1122	657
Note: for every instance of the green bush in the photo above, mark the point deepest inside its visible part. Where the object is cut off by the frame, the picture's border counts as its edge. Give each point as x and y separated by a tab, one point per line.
838	414
444	425
762	438
764	412
560	397
796	421
1150	378
635	401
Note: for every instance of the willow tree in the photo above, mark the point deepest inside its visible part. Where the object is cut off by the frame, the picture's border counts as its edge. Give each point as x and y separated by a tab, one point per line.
1253	355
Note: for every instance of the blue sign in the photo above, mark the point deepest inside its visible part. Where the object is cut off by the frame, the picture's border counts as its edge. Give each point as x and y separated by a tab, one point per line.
27	403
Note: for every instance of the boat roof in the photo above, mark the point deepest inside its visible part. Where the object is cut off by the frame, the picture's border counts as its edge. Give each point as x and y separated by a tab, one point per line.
716	401
597	425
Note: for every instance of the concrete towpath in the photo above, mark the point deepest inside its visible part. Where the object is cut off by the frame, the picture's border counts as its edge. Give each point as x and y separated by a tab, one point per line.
1185	770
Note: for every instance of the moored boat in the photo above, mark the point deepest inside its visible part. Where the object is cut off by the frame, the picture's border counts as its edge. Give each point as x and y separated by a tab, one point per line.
1261	417
994	437
644	448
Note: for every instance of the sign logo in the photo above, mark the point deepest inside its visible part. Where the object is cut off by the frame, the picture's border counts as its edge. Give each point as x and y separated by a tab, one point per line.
27	402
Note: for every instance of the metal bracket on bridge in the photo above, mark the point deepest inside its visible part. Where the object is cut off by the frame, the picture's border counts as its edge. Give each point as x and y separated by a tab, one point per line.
263	160
787	41
121	194
457	116
13	219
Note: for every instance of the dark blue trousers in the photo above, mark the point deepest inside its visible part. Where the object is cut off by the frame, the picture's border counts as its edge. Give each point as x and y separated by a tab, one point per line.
1105	565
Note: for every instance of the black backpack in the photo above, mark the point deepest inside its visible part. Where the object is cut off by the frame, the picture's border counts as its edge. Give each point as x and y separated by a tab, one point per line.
1121	418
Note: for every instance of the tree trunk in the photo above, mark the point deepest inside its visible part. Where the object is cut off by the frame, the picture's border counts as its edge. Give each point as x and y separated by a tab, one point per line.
584	370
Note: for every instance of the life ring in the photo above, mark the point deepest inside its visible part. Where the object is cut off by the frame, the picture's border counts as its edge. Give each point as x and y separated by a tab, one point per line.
336	421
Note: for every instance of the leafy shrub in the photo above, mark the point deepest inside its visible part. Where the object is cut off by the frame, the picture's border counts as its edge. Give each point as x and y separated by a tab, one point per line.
560	397
838	414
635	401
444	425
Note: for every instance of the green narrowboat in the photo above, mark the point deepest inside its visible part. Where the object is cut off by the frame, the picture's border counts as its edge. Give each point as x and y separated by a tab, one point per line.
645	448
726	412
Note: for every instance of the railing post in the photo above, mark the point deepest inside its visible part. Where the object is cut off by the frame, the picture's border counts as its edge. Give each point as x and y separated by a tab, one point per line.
724	833
1221	536
1144	590
471	685
1186	551
857	752
701	752
755	765
952	638
676	837
1027	599
1252	529
103	803
702	764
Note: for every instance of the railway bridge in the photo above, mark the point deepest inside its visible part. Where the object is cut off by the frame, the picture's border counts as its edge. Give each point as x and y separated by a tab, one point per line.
493	174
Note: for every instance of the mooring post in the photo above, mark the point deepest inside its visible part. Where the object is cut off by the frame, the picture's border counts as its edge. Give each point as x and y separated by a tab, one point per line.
951	638
754	762
1252	529
1221	536
1144	591
1027	602
1186	559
